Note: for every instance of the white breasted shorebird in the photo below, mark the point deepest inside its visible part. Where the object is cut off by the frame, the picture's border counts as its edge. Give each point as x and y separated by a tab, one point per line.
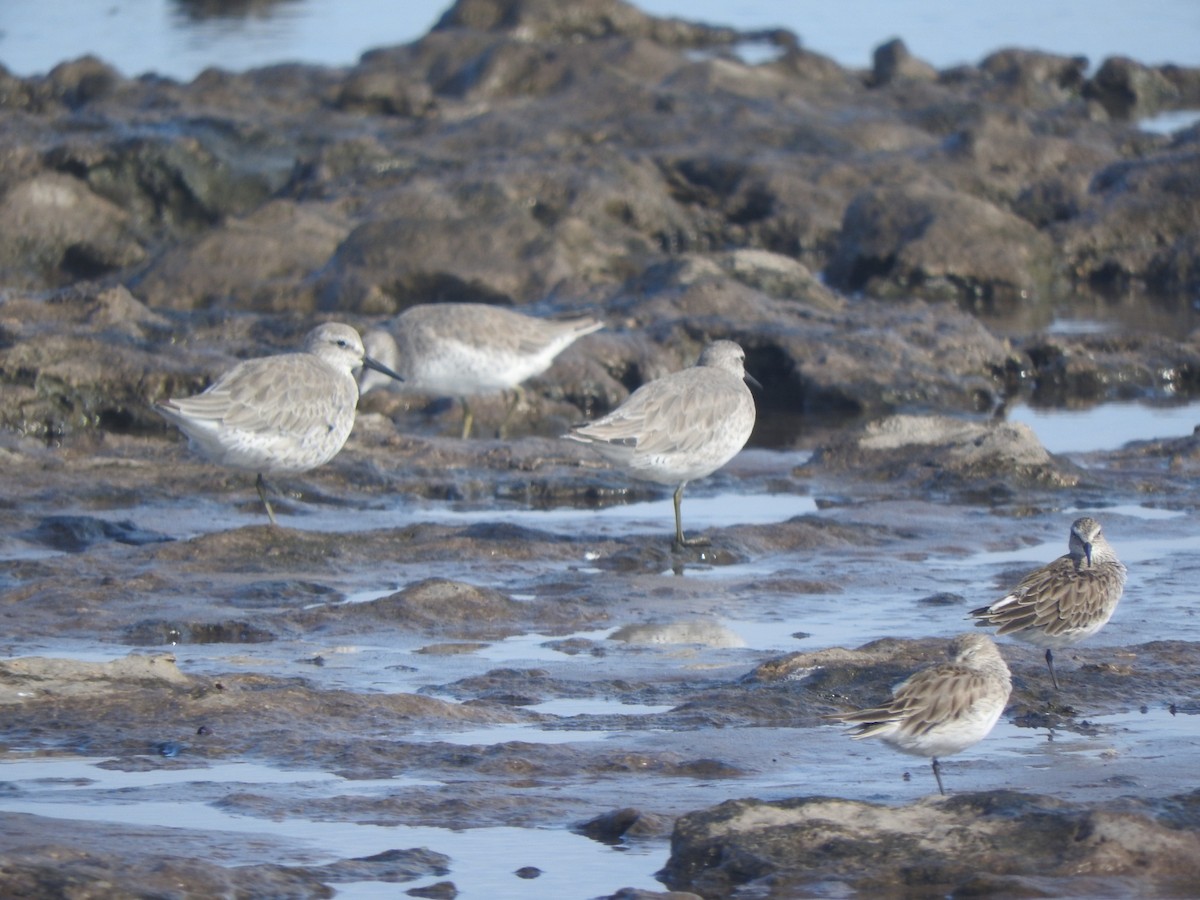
942	709
468	349
680	427
281	414
1064	601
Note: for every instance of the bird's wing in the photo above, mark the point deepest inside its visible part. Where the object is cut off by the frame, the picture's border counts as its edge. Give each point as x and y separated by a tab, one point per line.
269	395
1059	597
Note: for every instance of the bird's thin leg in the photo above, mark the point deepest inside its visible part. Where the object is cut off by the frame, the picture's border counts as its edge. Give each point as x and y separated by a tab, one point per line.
518	397
468	418
1050	666
262	495
680	540
937	773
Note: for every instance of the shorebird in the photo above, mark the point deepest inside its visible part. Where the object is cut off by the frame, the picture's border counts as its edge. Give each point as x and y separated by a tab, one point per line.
467	349
281	414
942	709
680	427
1064	601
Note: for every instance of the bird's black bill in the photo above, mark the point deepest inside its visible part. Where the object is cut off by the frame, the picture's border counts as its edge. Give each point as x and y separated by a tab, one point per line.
369	363
752	381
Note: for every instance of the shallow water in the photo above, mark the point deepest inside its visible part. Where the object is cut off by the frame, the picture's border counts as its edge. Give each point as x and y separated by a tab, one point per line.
1108	426
483	859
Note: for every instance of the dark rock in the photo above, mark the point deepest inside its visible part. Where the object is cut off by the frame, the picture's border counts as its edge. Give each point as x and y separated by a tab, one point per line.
615	826
1138	217
81	81
1034	79
442	890
1127	89
924	240
970	843
151	633
947	454
76	871
382	90
639	894
60	231
180	184
892	61
259	261
439	605
389	866
75	534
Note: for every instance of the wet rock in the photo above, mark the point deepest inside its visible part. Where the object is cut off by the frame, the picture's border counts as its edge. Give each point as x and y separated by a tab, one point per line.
1137	221
982	842
80	872
150	633
640	894
593	19
259	261
79	360
893	61
615	826
28	679
381	89
75	534
178	184
922	239
442	605
949	453
78	82
389	866
442	890
1081	370
708	634
60	232
1127	89
1035	79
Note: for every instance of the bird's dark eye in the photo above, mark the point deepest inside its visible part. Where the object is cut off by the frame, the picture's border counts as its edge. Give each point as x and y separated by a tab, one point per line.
342	342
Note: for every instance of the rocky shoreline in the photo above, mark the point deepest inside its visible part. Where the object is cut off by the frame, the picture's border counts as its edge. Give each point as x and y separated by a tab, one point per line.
891	247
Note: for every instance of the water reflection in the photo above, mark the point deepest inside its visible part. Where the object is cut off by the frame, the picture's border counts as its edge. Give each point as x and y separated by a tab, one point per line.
201	10
1108	426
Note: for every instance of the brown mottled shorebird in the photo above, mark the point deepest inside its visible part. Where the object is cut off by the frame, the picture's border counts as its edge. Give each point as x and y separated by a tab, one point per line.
1064	601
942	709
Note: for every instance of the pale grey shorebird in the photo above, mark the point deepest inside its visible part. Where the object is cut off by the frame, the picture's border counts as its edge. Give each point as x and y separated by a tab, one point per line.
467	349
942	709
278	415
1064	601
680	427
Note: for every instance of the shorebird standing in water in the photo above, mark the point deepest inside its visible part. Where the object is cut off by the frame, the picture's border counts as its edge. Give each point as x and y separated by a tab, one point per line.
680	427
1064	601
942	709
278	415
